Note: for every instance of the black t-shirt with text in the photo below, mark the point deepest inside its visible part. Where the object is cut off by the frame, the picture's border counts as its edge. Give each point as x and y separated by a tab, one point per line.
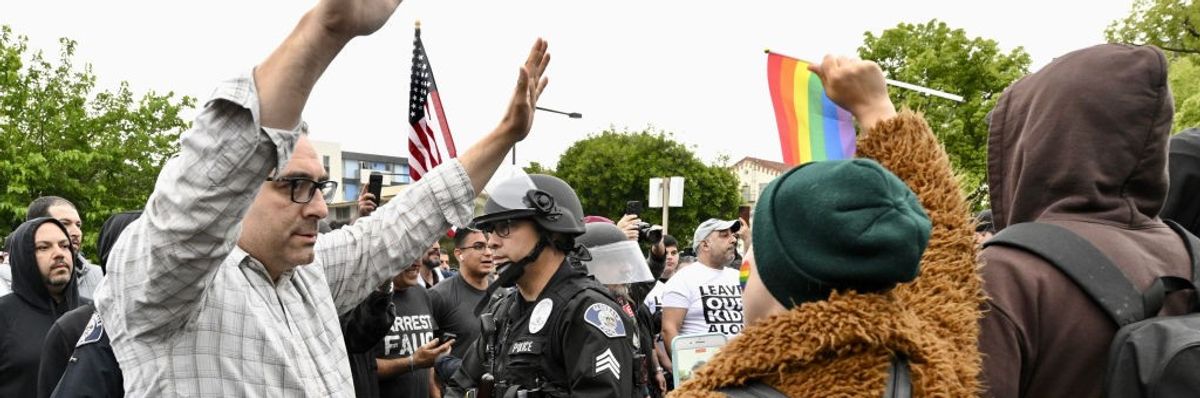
413	328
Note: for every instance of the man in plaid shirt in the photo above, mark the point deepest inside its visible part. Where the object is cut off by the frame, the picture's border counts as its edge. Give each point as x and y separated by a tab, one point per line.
223	287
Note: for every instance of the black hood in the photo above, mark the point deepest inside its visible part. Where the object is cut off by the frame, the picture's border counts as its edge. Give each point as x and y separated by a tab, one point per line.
27	282
1183	164
111	231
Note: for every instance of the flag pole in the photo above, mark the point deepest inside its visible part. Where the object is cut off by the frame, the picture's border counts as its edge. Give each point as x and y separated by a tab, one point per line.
897	83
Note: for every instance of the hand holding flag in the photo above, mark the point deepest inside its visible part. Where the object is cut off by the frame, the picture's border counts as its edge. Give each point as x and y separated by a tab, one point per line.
857	86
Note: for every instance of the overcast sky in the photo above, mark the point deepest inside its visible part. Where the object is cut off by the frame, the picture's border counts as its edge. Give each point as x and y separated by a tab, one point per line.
696	69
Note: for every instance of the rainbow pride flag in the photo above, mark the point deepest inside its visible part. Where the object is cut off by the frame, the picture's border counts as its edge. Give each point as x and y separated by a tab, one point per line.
811	127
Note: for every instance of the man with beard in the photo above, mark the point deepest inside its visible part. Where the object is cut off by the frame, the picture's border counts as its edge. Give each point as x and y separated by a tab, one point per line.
454	299
84	367
409	348
705	298
431	272
88	275
43	289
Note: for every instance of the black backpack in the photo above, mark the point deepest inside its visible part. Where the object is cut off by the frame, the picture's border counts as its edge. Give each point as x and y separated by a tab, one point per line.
1150	356
899	384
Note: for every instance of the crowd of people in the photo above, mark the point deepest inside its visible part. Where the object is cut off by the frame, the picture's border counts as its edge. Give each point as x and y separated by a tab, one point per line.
862	277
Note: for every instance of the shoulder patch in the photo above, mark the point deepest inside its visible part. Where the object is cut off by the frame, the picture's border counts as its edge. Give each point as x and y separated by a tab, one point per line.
93	331
605	319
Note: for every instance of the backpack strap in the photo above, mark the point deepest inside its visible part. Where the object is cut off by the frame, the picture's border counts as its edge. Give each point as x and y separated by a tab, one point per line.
752	389
1090	269
1162	286
899	384
1191	243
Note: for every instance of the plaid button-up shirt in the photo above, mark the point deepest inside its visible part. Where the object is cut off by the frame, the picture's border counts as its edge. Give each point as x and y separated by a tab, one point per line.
191	314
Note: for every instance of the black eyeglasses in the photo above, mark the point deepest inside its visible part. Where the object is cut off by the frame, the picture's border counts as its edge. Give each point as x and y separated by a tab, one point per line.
500	228
303	189
480	246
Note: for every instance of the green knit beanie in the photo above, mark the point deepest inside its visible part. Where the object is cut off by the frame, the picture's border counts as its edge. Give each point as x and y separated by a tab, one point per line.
833	225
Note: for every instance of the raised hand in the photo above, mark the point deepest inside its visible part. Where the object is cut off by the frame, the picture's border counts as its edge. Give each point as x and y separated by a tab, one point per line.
629	225
856	85
530	84
366	204
350	18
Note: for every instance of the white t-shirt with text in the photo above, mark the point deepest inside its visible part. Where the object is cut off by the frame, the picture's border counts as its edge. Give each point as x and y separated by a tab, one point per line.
712	297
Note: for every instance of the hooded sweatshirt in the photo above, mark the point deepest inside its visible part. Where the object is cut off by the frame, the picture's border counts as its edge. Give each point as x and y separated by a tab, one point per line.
842	346
1081	144
1183	199
63	336
28	313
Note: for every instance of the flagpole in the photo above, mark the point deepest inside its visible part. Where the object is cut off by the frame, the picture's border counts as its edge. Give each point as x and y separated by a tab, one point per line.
896	83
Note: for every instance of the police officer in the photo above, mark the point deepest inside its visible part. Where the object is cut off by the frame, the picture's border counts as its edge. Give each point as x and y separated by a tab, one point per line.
617	262
93	370
559	332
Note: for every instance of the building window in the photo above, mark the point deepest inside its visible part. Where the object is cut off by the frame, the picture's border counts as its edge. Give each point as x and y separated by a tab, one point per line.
342	213
325	163
350	169
747	196
402	177
351	192
384	167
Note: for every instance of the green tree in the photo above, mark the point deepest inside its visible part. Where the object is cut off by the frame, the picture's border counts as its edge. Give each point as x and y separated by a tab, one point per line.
611	168
538	168
60	136
1168	24
936	56
1172	26
1183	76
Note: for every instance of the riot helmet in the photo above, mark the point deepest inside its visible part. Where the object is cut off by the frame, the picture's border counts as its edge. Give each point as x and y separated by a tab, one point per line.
547	201
612	258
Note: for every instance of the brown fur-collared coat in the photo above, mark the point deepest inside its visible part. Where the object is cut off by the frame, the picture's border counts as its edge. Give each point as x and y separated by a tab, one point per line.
841	347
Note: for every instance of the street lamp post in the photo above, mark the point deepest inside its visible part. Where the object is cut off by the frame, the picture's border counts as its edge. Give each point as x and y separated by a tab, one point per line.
572	115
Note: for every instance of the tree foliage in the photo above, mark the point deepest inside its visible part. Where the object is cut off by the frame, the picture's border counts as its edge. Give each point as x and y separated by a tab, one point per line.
939	57
1168	24
102	150
611	168
1183	76
1172	26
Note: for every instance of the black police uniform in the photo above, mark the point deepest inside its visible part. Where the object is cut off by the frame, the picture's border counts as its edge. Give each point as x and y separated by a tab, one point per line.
93	370
572	341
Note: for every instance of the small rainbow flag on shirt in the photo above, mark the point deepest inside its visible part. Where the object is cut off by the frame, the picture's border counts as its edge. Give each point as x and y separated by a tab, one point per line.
811	127
744	273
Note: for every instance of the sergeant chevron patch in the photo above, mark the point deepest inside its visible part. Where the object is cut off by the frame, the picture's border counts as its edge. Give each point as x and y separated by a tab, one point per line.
607	362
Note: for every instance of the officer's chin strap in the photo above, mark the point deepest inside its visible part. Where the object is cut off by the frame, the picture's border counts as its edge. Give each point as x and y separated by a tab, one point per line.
512	272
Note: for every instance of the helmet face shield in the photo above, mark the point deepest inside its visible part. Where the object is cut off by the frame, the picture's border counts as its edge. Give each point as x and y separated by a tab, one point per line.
507	201
546	200
510	194
618	263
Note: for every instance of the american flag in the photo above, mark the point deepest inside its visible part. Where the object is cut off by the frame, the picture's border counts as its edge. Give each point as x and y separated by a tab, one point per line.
424	111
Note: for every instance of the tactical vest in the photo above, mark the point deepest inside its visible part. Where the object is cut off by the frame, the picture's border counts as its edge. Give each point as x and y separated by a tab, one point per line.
532	360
